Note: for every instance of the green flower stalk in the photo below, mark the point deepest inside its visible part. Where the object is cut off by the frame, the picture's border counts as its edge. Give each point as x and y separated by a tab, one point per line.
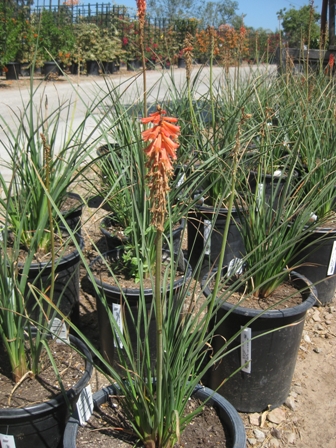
141	7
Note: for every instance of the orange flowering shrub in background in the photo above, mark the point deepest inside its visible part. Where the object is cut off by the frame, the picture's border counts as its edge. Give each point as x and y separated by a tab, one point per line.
205	39
233	44
227	44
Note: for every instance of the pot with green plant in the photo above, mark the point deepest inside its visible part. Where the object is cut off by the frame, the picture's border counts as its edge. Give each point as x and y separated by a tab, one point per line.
258	369
42	167
96	48
154	395
37	396
56	39
10	41
125	192
256	296
206	222
316	134
229	418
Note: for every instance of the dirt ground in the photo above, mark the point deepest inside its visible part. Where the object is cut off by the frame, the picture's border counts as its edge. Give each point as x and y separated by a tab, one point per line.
308	418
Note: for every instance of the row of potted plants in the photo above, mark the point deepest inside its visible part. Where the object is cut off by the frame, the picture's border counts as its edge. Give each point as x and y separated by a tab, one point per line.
32	37
254	180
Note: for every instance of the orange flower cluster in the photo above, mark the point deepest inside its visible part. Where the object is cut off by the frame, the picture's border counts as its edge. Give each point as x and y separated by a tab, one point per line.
205	38
228	44
141	7
330	66
331	60
71	2
162	149
160	152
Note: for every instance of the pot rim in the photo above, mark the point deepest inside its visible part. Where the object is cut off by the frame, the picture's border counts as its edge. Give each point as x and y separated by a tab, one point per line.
227	413
302	308
130	292
48	406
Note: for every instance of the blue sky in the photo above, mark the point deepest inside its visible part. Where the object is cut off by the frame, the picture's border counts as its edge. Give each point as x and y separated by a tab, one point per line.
259	13
262	13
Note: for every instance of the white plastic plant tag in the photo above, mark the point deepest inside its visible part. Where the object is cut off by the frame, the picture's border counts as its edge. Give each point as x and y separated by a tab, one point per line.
116	311
260	194
7	441
313	217
200	199
277	173
84	405
245	349
12	297
181	180
207	240
332	261
59	331
235	267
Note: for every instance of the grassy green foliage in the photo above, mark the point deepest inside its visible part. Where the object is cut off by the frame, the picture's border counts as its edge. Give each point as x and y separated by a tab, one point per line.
230	126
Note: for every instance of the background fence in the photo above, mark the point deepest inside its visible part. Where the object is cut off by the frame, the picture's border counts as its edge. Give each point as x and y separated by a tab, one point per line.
57	26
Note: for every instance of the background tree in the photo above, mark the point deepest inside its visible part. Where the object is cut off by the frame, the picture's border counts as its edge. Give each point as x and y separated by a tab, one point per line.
262	44
170	9
209	13
300	24
217	13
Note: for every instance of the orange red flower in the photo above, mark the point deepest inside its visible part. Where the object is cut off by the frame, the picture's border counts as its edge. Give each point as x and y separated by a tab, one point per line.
141	7
331	60
162	149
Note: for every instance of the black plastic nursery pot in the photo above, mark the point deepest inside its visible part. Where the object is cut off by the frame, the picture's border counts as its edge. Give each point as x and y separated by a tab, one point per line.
232	423
93	68
181	63
273	185
133	65
266	380
117	238
66	286
165	65
109	67
42	425
51	68
317	261
75	68
124	304
150	65
13	70
204	237
25	70
74	214
105	161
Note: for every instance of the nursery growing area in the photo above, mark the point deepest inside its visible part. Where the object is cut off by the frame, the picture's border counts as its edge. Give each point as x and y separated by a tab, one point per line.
167	272
77	36
248	139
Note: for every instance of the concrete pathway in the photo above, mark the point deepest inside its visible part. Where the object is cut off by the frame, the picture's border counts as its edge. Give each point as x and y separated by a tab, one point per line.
91	100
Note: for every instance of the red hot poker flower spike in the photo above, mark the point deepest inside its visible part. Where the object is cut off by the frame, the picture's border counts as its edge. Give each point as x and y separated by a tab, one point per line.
162	135
141	7
160	152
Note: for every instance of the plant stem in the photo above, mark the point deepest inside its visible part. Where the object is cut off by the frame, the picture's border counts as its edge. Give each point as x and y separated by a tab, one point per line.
159	329
211	81
143	59
47	158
